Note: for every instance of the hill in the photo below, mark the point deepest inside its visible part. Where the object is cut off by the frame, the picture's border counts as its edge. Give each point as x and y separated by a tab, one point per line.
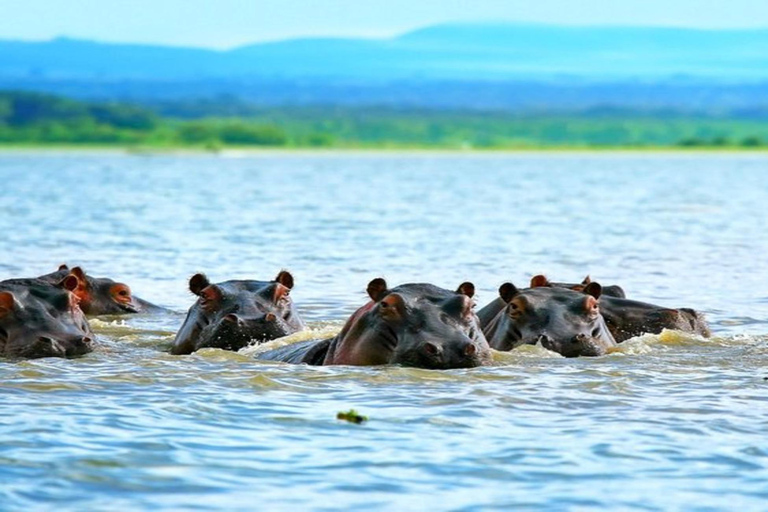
446	52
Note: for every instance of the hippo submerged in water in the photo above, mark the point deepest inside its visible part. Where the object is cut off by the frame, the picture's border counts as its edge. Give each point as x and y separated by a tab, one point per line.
629	318
101	295
41	320
562	320
233	314
418	325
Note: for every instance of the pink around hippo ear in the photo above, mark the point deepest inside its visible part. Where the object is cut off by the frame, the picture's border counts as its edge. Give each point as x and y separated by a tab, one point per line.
392	306
539	281
279	292
197	283
377	289
466	288
590	305
507	291
285	278
594	289
6	303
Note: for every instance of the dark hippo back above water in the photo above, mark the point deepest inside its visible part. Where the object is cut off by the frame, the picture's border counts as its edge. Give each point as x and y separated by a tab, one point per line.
234	314
418	325
562	320
41	320
629	318
101	295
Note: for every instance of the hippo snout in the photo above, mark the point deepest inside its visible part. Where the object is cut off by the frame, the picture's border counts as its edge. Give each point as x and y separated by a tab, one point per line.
441	355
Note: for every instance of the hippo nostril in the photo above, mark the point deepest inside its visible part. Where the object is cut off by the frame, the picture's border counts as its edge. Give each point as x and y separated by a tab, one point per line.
85	340
270	317
431	349
543	338
470	350
46	339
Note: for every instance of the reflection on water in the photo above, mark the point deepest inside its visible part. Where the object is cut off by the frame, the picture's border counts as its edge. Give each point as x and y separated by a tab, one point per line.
665	421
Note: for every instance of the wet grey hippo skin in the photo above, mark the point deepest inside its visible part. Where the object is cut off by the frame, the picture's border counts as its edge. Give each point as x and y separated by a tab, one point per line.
629	318
234	314
101	295
562	320
419	325
38	319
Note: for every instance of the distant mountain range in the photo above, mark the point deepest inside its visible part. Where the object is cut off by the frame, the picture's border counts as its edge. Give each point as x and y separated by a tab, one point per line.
486	55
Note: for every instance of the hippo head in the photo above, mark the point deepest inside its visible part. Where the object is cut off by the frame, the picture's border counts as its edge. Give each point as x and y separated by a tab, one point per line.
40	320
562	320
234	314
417	325
101	295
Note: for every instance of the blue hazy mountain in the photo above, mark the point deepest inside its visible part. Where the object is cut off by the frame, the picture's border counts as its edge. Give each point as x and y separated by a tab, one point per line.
445	52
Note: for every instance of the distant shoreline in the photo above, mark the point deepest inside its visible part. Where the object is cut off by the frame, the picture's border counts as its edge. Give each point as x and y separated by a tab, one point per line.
235	151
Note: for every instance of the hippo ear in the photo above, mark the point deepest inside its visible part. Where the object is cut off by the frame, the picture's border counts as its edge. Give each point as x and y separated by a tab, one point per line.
197	283
285	278
507	291
594	289
586	280
466	288
7	303
377	289
70	282
63	266
539	281
79	272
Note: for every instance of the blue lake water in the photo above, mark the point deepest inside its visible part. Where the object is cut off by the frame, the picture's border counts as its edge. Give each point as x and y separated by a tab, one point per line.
668	422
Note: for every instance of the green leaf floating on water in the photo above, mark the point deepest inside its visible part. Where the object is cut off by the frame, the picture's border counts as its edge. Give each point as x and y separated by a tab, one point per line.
351	416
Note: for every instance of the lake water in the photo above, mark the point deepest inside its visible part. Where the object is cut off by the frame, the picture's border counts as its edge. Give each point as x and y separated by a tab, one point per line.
667	422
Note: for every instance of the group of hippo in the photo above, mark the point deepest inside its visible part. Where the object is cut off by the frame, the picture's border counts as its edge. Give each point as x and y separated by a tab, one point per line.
415	324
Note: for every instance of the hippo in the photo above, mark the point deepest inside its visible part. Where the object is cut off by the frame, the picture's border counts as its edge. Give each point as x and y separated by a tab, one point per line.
416	324
629	318
626	318
608	291
101	295
38	320
233	314
564	321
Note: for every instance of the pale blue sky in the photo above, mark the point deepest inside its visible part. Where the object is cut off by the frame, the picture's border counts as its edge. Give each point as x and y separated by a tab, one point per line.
227	23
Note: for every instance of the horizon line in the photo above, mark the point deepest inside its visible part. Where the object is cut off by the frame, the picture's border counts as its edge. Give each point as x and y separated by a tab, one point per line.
381	37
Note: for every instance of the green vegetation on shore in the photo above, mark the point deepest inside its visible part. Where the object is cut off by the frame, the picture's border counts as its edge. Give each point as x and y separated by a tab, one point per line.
38	119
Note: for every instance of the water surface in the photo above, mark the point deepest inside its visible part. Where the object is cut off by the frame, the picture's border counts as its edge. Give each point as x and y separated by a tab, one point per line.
666	422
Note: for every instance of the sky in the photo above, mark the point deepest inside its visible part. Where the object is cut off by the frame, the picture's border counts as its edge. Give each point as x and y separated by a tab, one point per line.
228	23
